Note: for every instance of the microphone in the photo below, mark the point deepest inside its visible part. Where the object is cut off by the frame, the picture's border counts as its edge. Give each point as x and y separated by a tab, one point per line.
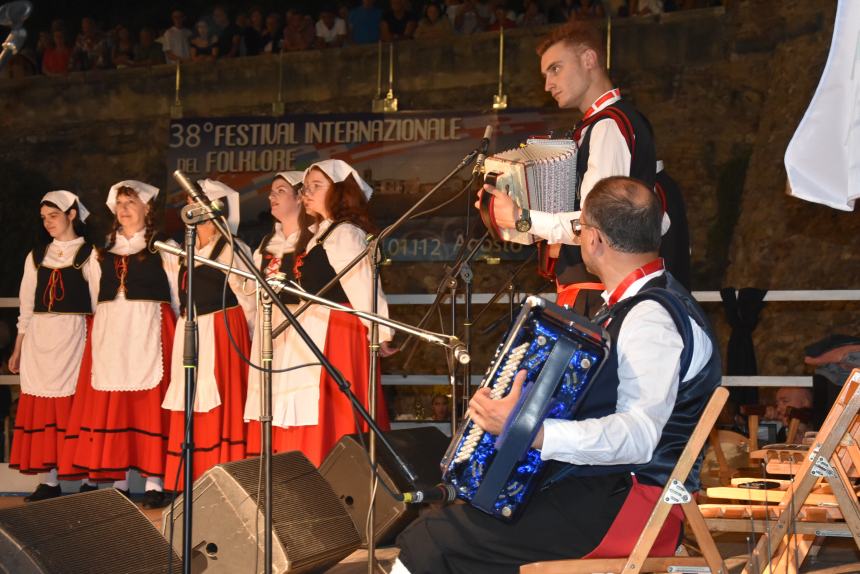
190	187
485	145
13	14
443	493
461	354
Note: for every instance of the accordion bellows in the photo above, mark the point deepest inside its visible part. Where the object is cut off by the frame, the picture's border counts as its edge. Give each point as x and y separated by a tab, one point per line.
539	176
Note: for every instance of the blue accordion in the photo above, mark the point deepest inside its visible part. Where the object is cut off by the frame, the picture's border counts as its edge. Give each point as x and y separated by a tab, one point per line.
562	353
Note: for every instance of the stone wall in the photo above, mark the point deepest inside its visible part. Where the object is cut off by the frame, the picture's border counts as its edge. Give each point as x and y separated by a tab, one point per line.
724	89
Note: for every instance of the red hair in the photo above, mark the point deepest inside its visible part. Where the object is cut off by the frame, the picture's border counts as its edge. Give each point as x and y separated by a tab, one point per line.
576	34
346	202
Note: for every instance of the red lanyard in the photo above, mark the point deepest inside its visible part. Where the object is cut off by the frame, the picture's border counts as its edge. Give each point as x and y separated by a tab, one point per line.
647	269
595	107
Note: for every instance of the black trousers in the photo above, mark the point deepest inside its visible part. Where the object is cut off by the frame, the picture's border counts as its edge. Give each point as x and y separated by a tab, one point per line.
567	520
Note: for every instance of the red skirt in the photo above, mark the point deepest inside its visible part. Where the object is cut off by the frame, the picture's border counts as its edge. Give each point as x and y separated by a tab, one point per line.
40	430
346	347
219	435
110	432
40	427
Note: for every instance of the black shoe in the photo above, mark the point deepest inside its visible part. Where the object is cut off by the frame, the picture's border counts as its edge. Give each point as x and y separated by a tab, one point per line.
156	499
44	492
88	487
125	493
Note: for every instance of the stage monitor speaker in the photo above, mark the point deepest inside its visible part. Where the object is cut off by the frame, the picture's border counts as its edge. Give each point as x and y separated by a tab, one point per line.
99	532
311	529
347	469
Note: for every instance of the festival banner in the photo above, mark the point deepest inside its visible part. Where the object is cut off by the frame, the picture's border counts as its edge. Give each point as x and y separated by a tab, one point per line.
402	156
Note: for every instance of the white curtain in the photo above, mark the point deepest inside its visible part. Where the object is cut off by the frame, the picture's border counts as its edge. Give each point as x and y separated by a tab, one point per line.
823	156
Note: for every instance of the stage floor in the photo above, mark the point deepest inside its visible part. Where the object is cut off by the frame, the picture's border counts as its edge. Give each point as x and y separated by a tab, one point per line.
835	552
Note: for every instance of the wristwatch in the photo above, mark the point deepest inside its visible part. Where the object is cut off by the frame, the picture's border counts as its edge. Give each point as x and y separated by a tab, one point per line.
524	223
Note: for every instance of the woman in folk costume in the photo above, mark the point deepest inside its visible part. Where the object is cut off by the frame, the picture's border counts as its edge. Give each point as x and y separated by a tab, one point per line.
222	375
275	258
57	297
310	413
117	422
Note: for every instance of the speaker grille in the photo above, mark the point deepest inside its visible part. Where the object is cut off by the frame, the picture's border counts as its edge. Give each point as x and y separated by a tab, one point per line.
100	532
307	516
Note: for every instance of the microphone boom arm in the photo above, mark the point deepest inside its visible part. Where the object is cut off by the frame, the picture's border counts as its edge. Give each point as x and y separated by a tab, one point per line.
448	341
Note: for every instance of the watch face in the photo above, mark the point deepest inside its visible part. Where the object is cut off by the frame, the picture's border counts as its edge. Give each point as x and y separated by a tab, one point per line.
523	225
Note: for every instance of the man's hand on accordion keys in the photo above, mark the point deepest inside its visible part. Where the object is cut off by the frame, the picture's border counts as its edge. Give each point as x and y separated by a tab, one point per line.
491	414
505	211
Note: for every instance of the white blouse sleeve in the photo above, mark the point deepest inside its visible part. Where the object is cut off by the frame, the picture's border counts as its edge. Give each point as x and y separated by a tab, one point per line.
170	263
93	274
27	294
238	283
343	245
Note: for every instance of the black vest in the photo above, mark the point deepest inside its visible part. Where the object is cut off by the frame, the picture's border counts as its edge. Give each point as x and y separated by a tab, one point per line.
690	401
675	245
141	273
643	165
288	260
208	286
314	270
62	289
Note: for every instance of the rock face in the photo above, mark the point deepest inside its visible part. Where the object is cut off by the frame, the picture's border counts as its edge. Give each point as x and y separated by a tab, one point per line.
723	87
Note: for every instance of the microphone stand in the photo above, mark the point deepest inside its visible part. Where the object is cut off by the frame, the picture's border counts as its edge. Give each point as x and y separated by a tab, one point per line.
12	44
192	216
374	248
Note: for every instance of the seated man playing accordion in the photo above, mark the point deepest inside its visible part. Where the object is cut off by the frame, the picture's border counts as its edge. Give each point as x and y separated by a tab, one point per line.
609	464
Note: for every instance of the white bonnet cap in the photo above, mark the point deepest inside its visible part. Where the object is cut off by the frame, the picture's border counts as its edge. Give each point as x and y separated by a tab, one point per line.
338	170
215	189
294	178
144	191
66	199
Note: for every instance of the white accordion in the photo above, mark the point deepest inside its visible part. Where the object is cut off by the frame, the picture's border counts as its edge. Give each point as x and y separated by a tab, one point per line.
539	176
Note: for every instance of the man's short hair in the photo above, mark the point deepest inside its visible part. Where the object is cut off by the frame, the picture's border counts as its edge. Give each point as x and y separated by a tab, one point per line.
627	212
578	33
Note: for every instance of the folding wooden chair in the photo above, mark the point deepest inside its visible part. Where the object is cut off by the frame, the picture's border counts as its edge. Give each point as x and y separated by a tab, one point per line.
792	520
673	493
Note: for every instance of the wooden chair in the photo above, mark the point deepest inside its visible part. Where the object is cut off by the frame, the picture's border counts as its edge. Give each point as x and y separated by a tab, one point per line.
792	520
638	560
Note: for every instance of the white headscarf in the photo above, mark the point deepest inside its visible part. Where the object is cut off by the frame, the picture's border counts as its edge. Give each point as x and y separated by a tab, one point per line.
338	170
66	199
215	189
144	191
294	178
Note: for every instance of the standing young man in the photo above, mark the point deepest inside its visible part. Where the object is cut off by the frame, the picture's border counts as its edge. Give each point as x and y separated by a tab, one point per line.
613	139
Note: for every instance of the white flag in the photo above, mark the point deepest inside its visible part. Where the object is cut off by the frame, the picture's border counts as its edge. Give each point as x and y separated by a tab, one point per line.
823	156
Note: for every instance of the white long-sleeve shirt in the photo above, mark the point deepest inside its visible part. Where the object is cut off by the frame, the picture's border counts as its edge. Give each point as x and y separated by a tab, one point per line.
649	360
608	156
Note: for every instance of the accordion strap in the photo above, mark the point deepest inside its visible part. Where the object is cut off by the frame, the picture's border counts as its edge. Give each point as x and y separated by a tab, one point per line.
488	215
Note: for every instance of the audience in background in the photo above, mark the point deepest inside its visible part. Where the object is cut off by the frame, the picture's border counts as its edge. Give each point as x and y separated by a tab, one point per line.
299	33
364	23
398	23
91	49
176	40
57	55
334	24
228	34
434	24
330	29
122	50
270	41
204	46
147	52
